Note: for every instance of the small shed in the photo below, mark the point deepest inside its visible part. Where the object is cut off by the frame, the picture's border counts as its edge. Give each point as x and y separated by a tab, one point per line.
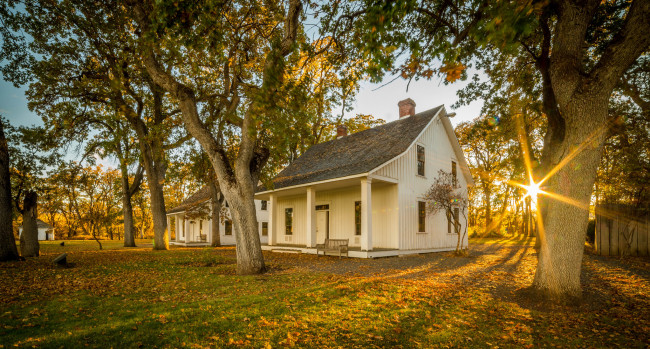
45	231
622	230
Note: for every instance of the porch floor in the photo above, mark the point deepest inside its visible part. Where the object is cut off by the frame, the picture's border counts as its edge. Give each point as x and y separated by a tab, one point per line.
354	252
189	244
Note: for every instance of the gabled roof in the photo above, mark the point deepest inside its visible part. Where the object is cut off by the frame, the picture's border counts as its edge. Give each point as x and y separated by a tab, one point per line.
200	196
357	153
41	225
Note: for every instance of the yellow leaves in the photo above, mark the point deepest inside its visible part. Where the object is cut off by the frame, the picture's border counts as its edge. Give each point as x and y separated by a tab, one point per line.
162	319
452	70
292	338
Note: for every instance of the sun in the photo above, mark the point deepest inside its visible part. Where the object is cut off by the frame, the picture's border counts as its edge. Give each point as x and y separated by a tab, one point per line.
533	189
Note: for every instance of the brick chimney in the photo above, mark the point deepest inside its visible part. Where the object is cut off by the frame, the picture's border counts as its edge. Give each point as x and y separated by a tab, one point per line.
341	131
406	108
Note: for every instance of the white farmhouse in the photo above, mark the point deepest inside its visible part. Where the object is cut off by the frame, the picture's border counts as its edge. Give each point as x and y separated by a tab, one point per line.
198	232
45	231
367	187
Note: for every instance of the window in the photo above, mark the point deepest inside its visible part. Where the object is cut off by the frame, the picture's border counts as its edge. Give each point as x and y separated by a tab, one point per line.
288	221
454	218
265	228
357	218
322	207
228	227
263	205
420	160
422	216
454	173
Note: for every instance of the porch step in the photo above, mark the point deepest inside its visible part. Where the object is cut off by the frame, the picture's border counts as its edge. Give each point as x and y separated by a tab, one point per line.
281	250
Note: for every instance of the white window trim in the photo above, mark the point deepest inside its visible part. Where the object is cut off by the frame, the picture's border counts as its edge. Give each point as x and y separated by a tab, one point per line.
417	215
416	160
284	220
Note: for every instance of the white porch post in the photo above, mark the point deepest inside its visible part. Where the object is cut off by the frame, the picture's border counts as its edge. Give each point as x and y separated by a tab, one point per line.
311	217
177	231
186	229
366	214
271	207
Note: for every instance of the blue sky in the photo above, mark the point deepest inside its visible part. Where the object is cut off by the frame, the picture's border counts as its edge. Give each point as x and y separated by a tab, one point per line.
381	102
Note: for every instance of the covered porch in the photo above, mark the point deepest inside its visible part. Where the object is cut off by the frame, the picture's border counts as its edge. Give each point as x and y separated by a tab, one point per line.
362	209
354	252
188	232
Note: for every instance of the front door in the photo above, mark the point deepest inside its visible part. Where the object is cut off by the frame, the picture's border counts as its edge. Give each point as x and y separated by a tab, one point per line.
322	226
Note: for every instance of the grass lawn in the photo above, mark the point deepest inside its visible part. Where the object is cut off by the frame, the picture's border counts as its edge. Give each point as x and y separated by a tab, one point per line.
191	297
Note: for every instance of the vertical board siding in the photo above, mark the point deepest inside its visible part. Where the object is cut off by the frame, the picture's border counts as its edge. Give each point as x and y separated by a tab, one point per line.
412	187
389	170
612	222
341	215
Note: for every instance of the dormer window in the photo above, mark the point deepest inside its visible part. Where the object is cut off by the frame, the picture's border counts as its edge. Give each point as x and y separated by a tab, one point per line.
420	160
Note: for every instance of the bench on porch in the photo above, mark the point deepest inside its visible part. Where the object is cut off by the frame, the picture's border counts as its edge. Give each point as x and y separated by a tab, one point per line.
339	246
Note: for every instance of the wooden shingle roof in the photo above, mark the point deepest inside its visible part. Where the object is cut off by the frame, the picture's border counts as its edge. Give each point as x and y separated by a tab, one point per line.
200	196
357	153
41	224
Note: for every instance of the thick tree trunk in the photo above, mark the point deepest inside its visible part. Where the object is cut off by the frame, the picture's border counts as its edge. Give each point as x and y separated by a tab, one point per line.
562	236
216	212
159	214
129	228
127	205
8	250
155	164
29	246
249	250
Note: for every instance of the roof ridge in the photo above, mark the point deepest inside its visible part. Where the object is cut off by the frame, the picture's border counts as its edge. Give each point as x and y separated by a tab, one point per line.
357	153
379	126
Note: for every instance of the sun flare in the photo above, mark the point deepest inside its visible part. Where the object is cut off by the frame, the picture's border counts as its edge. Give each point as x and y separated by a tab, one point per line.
533	190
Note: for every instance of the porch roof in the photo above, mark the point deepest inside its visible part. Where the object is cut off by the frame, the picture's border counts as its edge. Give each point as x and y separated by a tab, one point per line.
330	184
199	197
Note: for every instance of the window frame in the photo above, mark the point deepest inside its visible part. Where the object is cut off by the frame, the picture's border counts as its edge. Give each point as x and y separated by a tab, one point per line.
422	217
454	172
288	229
357	218
455	213
265	233
226	231
420	157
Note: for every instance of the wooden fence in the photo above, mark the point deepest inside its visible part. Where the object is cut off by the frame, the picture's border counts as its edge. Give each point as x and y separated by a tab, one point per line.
622	231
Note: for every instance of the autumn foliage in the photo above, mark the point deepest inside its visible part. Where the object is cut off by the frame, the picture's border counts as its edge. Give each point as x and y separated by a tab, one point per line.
193	298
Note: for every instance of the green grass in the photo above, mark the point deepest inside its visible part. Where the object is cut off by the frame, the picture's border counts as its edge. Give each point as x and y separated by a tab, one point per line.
192	298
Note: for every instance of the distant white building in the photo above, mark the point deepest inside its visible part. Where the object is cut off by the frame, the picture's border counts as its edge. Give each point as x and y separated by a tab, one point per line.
45	231
368	188
198	232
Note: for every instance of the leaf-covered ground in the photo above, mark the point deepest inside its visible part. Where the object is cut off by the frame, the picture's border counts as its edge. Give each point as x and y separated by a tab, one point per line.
192	298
